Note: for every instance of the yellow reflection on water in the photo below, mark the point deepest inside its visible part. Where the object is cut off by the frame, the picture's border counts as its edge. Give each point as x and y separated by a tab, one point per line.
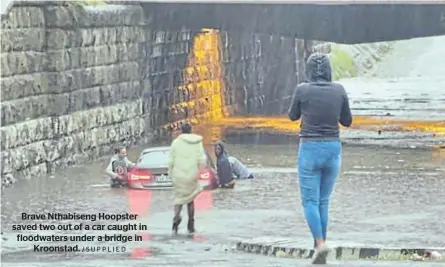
283	124
204	85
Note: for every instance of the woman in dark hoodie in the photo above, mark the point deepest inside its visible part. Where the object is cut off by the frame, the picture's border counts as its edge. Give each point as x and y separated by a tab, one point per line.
223	167
321	105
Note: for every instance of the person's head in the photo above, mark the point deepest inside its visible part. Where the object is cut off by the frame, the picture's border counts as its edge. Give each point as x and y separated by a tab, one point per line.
186	128
318	68
120	151
219	148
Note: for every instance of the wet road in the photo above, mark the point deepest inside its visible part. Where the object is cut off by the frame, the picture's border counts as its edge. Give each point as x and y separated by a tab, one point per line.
409	83
400	103
396	193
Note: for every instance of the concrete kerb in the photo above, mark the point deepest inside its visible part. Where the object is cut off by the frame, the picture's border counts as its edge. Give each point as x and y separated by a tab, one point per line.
295	249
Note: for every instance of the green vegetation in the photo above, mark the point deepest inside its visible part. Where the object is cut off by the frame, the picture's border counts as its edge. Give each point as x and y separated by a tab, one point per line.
343	65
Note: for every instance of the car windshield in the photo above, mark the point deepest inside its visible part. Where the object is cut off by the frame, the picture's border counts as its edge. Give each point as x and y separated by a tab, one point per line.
154	158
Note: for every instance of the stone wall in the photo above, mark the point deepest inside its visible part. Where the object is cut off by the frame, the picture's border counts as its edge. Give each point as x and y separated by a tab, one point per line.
77	80
262	70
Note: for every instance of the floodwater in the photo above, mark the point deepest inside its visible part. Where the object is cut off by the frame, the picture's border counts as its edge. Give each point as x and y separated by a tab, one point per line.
384	196
401	103
397	193
409	84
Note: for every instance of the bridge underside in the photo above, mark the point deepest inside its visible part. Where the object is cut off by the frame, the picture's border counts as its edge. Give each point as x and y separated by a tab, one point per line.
341	23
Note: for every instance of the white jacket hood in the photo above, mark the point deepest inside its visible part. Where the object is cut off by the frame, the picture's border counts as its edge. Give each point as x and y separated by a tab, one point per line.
190	138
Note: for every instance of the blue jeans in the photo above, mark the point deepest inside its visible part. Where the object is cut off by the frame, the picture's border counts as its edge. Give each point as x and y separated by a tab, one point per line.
318	167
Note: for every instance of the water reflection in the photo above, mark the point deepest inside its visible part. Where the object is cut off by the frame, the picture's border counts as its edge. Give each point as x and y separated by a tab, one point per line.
140	202
204	201
142	252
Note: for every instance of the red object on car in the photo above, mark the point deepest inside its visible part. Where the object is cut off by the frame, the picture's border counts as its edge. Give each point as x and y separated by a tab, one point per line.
151	171
207	178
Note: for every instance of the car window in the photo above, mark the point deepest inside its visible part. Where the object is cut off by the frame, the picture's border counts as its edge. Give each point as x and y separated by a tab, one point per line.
154	158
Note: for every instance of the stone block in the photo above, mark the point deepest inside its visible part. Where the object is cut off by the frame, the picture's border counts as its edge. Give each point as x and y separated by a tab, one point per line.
98	36
23	157
185	35
24	17
14	63
61	147
84	57
83	78
61	38
24	109
82	37
86	141
120	92
112	15
118	34
68	160
64	16
63	59
20	86
22	39
98	117
130	52
27	132
61	104
98	55
93	16
86	155
65	103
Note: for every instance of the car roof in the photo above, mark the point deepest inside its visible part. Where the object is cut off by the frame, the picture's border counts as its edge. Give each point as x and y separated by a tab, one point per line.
156	149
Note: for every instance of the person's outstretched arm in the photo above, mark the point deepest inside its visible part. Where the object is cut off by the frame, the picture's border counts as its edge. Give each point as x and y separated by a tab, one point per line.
345	115
295	107
129	163
109	170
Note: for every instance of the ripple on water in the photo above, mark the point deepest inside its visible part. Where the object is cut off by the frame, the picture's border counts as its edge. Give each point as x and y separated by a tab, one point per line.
376	183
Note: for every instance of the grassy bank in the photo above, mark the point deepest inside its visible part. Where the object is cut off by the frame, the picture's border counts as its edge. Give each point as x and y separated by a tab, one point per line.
356	60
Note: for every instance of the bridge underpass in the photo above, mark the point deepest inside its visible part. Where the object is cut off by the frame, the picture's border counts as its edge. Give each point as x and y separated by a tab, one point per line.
62	64
95	73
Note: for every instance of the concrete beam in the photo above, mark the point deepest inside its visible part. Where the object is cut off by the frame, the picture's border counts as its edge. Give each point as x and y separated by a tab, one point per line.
341	23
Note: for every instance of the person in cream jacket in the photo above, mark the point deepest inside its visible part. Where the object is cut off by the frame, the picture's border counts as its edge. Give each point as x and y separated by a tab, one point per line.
187	158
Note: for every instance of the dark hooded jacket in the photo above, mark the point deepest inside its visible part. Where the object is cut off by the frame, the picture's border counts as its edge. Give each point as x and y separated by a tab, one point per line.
223	167
320	103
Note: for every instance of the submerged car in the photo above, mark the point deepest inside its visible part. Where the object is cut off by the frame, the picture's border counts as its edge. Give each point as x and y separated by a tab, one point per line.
151	171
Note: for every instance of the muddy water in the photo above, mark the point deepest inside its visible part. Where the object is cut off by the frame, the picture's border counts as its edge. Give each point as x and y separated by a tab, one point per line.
401	103
402	189
393	192
410	83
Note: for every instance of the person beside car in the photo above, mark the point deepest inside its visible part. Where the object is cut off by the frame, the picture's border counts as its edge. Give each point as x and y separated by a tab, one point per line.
223	167
239	169
118	167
